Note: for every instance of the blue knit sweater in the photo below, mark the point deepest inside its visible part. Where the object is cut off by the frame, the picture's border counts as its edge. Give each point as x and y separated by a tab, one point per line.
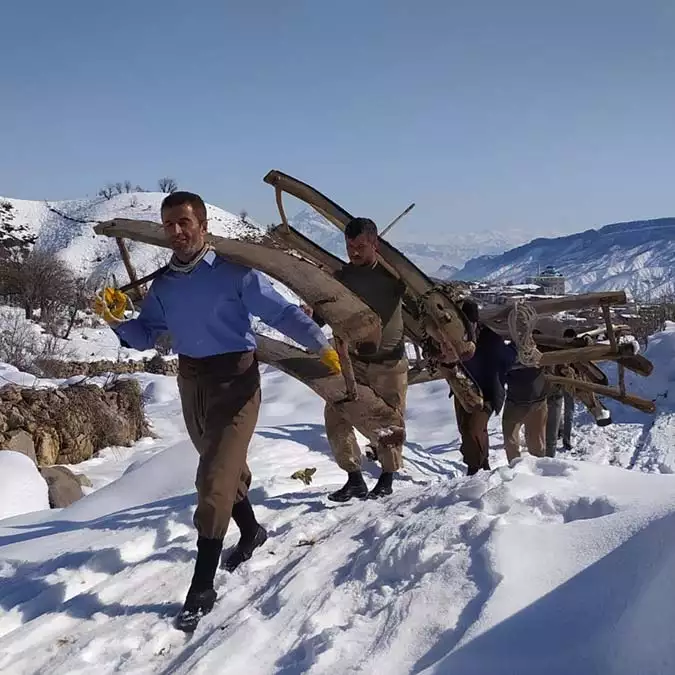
208	311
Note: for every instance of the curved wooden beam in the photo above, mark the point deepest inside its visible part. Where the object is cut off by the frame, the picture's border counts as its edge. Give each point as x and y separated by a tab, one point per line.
449	322
348	315
377	421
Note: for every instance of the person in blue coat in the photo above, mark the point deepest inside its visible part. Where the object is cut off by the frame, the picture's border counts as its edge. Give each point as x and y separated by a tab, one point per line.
206	304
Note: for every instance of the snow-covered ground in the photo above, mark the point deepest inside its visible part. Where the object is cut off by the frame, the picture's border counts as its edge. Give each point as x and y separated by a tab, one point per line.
552	566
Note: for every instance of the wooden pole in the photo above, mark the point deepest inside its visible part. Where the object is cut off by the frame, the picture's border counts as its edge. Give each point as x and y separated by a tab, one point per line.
393	222
613	344
629	399
554	305
126	259
347	369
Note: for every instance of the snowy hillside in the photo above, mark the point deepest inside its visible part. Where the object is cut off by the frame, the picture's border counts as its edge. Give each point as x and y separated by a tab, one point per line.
66	228
459	248
637	256
554	566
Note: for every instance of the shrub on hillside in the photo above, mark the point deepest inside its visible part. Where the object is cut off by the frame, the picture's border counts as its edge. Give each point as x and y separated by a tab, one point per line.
23	346
39	281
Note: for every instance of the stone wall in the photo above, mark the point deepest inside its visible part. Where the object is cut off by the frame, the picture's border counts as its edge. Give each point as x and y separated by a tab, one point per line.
65	369
70	424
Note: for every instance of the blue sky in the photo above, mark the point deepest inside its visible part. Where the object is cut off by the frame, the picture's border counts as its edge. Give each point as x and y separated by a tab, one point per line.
545	116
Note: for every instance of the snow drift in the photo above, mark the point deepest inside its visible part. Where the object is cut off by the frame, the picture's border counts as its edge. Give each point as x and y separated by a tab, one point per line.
554	565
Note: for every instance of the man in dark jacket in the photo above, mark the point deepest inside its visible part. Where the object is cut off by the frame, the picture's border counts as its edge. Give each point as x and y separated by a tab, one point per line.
383	367
488	367
525	406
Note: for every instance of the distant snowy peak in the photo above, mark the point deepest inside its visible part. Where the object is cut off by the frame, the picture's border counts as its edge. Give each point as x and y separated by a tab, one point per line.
445	272
429	256
638	256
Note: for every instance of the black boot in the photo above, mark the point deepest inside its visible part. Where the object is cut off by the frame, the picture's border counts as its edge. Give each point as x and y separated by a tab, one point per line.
253	535
354	487
201	596
383	486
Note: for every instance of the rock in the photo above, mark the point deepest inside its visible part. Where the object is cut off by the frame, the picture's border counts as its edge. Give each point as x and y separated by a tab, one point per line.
70	424
11	393
83	480
15	420
64	488
47	446
21	441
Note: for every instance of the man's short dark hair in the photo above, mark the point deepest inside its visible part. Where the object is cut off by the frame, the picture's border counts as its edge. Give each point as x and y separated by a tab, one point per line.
569	333
359	226
180	198
470	309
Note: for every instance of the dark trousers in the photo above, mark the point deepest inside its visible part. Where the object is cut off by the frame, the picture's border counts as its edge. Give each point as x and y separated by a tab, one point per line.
475	440
220	396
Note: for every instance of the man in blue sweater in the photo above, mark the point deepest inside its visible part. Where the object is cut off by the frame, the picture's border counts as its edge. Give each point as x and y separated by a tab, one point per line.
205	304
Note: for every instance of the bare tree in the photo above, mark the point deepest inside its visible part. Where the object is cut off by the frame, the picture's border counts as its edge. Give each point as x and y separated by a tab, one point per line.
78	301
38	281
127	186
119	188
243	215
108	191
167	185
138	188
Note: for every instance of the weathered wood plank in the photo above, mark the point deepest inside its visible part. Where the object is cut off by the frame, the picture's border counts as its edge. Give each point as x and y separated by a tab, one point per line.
449	322
348	315
368	413
634	362
554	305
573	355
629	399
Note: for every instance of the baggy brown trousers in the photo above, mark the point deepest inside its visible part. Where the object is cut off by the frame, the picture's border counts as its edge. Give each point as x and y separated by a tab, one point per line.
532	416
475	446
220	396
389	380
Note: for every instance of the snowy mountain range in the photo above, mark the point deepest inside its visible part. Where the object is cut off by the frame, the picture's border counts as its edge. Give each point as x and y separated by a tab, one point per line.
434	258
638	256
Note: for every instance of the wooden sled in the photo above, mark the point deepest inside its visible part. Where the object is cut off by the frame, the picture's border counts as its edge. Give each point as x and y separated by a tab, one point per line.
377	421
430	315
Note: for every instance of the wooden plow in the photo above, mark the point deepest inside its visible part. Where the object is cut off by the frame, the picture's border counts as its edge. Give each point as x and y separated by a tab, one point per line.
433	321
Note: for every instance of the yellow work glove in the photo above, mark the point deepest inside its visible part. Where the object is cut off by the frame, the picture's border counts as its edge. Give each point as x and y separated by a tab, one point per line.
110	305
330	358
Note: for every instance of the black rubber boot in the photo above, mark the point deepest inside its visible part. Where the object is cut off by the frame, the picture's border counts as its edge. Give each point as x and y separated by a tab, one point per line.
383	486
354	487
201	596
253	535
